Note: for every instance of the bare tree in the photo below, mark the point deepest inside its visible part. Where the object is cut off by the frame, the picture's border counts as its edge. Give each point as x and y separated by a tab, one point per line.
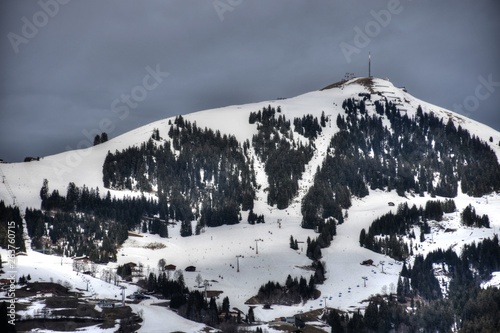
179	276
199	280
161	264
392	288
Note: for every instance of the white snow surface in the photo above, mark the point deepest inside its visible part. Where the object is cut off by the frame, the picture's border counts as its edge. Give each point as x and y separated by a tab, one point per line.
214	251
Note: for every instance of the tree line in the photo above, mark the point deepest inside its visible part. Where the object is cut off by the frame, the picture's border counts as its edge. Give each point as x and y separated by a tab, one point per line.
11	228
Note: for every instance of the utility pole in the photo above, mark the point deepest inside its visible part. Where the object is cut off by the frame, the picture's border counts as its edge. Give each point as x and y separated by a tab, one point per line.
364	280
238	262
382	263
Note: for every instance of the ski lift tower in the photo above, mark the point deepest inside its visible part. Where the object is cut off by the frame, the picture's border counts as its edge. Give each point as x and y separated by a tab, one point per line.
206	283
238	262
123	294
257	240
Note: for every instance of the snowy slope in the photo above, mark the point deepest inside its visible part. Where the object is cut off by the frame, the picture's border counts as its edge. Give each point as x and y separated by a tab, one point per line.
214	251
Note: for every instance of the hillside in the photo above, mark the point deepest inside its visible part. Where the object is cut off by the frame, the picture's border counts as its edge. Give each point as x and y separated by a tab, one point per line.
218	184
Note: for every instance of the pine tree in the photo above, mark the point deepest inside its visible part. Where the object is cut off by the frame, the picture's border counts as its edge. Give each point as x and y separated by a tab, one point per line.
323	119
44	191
186	228
400	291
362	237
225	305
250	315
293	243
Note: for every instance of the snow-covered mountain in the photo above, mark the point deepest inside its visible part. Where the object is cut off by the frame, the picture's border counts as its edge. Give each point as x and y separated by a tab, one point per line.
264	248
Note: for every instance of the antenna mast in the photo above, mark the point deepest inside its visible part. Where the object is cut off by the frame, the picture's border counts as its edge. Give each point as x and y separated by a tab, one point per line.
369	64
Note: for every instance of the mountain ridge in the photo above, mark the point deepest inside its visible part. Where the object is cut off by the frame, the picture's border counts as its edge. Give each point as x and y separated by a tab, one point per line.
73	162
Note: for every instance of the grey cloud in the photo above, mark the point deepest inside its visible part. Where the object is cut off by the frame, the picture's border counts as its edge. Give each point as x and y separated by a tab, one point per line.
65	79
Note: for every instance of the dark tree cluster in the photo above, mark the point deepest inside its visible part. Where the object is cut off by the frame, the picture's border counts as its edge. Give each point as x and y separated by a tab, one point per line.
254	218
308	126
475	264
294	291
75	234
324	201
284	158
104	220
484	256
340	177
128	210
266	117
434	209
125	271
191	304
422	278
326	229
156	226
467	306
100	138
405	157
195	166
471	219
198	309
294	245
313	250
156	135
11	228
167	287
380	315
390	227
480	314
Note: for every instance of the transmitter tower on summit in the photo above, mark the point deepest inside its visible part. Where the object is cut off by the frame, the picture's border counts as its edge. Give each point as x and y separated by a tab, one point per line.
369	64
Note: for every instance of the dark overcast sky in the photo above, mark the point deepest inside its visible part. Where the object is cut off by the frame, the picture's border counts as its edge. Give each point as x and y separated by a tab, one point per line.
64	67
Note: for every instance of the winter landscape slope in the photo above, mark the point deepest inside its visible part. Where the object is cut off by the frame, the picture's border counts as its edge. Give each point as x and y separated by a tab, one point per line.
214	252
